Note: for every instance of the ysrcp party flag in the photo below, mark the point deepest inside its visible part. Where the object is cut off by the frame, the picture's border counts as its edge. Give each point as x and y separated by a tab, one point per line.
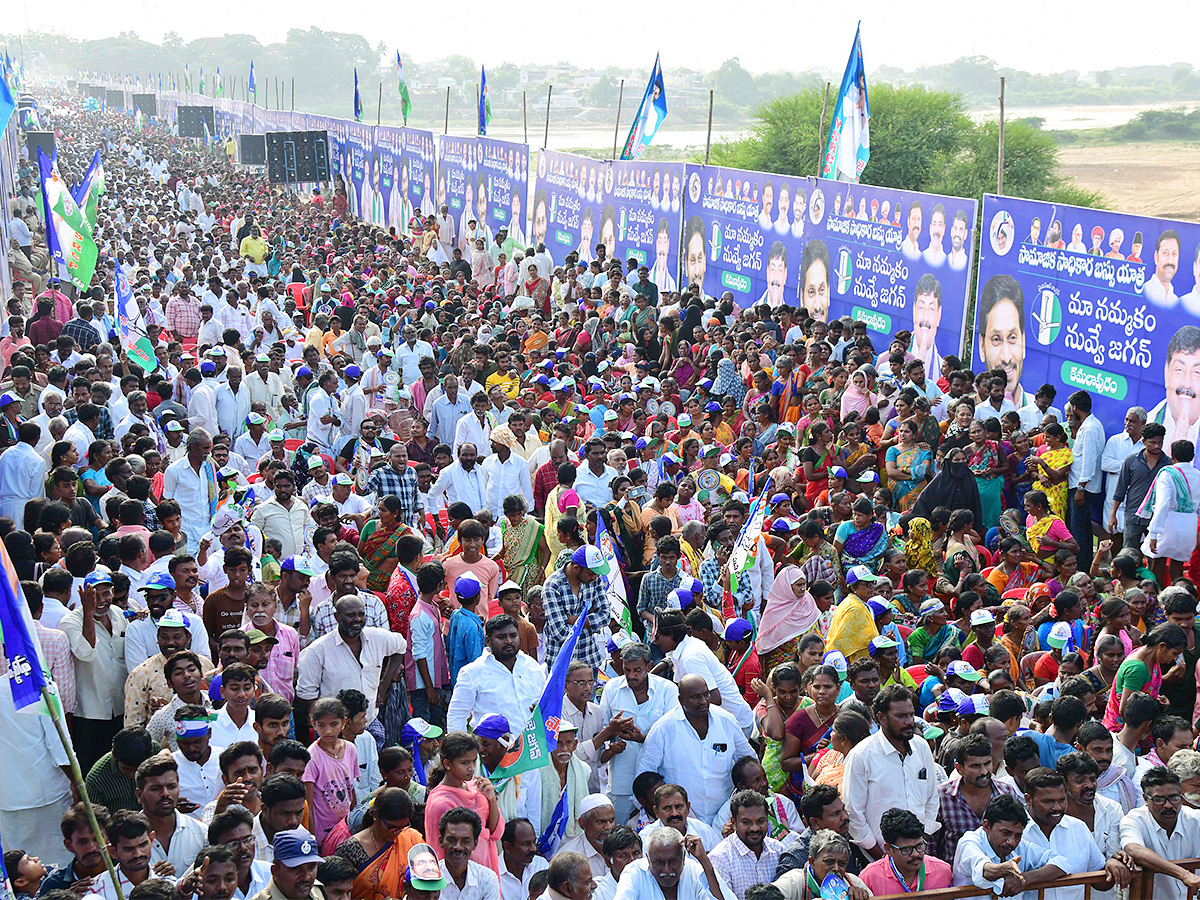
614	581
485	105
26	671
87	192
650	115
405	100
358	110
849	144
67	232
539	737
132	327
252	87
746	549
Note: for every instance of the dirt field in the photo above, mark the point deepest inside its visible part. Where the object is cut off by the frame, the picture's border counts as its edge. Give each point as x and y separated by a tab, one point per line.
1157	179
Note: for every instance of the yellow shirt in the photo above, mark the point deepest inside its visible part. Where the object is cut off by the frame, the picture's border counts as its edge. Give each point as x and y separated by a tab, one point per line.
253	248
510	385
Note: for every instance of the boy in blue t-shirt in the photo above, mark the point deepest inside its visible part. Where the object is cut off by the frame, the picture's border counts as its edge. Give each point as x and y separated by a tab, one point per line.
464	640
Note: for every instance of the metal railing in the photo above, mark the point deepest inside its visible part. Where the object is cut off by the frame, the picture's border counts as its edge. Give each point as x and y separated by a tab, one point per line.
1140	888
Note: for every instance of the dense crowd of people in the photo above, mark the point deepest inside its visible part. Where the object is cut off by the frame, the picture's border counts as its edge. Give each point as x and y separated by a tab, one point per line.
832	625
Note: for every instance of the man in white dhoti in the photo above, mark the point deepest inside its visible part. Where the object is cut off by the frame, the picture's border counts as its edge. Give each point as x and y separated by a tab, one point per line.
1172	505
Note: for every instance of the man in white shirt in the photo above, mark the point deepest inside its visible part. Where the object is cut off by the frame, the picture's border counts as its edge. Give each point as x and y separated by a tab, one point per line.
667	867
351	656
202	404
323	412
177	838
996	855
1117	449
409	354
1161	831
690	655
507	473
475	428
1085	480
674	810
519	859
233	406
503	680
23	472
463	481
593	480
696	746
642	699
890	769
197	759
458	833
1052	829
595	821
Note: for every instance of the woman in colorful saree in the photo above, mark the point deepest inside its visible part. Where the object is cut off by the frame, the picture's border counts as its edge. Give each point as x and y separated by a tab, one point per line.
809	727
1045	531
862	540
380	851
523	548
909	467
378	543
988	465
1053	465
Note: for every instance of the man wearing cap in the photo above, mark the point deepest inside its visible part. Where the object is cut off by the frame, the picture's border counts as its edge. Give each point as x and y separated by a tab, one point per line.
596	819
253	443
294	869
202	404
143	637
569	593
96	631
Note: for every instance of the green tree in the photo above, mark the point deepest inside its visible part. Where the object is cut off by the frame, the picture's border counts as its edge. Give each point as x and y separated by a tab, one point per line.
734	85
603	93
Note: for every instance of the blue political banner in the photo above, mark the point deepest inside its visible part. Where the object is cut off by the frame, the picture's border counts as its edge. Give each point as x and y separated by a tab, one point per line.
384	191
420	171
501	185
569	195
1086	299
359	141
456	170
897	260
645	203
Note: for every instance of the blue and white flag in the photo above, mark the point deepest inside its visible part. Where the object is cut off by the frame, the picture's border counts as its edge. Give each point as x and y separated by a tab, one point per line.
485	105
7	106
554	832
848	146
253	88
26	672
358	113
650	115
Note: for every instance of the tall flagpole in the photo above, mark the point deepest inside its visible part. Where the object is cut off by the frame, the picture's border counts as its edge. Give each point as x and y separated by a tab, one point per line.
617	126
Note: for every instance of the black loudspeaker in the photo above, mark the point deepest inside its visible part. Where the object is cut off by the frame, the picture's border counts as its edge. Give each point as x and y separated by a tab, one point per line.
95	91
192	119
72	85
147	103
115	99
42	139
295	157
252	150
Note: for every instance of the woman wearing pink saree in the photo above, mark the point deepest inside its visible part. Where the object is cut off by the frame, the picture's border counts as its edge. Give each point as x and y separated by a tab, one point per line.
856	398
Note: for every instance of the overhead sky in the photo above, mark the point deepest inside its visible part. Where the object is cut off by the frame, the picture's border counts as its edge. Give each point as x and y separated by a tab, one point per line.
765	34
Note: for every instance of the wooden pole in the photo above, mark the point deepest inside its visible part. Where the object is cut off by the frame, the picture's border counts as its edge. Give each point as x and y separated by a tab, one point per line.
446	124
477	107
80	783
546	135
821	129
379	105
1000	149
525	117
617	124
278	105
708	139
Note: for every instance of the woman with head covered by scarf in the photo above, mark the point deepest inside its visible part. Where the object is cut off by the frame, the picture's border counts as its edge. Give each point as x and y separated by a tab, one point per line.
789	613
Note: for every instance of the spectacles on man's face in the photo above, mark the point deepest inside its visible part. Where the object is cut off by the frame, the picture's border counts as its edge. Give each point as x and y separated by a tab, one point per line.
917	849
1161	800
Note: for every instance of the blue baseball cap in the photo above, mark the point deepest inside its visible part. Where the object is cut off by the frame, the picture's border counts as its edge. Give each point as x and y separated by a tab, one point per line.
159	581
467	585
738	630
352	371
295	848
100	575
